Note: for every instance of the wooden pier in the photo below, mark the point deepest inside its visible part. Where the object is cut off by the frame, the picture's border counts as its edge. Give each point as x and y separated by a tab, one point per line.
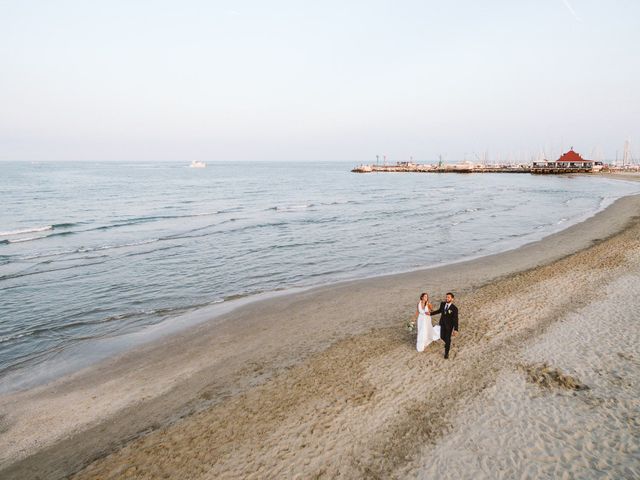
559	171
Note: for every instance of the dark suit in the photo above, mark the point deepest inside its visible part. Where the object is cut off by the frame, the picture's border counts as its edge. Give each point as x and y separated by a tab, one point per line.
448	323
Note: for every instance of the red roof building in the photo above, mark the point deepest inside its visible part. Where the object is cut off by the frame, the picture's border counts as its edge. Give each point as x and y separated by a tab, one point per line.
567	163
573	159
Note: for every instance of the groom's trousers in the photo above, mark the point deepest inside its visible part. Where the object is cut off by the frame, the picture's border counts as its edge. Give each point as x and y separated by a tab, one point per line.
446	336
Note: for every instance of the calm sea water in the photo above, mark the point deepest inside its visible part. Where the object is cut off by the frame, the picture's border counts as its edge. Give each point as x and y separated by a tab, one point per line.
90	251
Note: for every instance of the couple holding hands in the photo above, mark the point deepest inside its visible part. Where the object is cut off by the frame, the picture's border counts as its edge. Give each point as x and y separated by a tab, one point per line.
446	328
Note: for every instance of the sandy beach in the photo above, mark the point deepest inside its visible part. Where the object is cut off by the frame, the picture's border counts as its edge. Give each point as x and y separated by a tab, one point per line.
326	383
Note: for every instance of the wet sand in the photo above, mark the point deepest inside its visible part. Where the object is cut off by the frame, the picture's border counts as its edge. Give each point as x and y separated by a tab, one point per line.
327	382
632	176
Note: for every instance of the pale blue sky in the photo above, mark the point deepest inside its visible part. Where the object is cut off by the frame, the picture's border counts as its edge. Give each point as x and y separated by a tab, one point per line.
331	80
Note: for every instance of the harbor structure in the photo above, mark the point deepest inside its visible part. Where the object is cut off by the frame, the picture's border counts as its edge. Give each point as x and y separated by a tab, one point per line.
569	162
464	167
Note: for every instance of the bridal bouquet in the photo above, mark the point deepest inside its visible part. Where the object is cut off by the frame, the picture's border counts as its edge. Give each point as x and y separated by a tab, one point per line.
411	326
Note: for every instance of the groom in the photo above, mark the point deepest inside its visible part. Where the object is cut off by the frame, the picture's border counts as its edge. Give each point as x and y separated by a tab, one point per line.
448	322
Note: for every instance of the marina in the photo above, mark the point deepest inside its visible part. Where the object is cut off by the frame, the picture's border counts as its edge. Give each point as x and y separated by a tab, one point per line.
569	162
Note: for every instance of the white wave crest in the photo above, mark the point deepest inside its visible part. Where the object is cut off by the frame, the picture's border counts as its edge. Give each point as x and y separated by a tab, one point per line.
121	245
25	239
26	230
291	208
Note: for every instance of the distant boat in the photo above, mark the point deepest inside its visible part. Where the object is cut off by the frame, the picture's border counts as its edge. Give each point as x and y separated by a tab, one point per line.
197	164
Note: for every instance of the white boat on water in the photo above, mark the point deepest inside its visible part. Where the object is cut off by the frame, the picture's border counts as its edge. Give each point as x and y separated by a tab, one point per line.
197	164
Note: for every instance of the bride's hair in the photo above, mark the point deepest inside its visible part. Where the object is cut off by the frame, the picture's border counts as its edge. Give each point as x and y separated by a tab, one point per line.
423	294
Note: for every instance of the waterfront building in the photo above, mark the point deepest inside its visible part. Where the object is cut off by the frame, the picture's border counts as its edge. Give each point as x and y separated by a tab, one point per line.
570	161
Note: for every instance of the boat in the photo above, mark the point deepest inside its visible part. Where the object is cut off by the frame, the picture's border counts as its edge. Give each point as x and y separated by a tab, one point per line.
198	164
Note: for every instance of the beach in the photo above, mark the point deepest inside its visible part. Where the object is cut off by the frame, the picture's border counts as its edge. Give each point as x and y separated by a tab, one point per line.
326	383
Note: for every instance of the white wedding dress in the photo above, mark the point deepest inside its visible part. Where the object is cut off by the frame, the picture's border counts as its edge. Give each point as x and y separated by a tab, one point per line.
426	332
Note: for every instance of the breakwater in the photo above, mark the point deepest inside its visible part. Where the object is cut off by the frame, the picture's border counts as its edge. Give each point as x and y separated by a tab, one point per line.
448	168
470	168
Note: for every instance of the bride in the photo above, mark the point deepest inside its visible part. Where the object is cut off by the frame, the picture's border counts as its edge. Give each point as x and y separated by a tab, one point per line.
426	332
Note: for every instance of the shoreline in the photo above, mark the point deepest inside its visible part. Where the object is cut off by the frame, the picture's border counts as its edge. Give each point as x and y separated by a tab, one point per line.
102	349
210	366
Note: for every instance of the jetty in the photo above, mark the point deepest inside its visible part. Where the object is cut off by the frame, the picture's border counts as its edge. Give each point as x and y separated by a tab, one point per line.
446	168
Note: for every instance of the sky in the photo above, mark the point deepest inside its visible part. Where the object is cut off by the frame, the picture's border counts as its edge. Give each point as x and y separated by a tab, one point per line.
318	81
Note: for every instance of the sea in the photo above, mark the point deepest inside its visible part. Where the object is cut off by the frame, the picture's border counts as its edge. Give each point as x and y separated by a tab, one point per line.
96	258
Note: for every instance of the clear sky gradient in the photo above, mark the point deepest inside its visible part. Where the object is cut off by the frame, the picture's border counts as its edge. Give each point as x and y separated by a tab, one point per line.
331	80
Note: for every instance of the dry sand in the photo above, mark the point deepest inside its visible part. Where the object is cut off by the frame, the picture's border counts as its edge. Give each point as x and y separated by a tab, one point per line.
572	410
326	383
